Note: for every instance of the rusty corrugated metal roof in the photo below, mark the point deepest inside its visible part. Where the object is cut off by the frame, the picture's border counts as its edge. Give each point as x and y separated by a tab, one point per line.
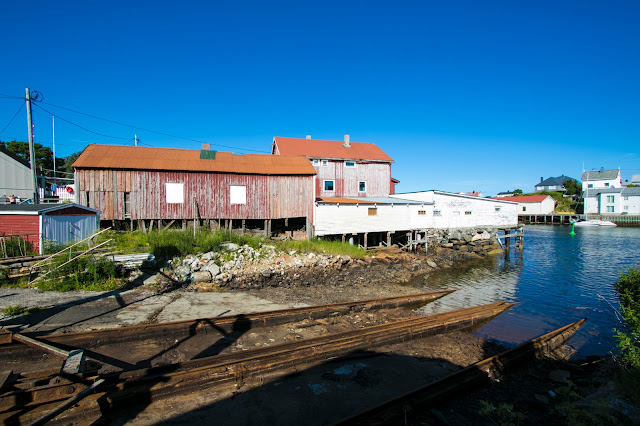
145	158
315	148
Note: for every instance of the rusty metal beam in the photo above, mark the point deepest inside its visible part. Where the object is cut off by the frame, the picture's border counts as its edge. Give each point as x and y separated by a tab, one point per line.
395	411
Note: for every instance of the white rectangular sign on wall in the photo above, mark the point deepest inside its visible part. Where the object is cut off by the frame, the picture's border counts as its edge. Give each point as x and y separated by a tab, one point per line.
175	193
238	194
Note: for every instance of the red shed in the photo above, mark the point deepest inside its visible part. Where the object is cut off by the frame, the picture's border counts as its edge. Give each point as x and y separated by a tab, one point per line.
58	223
163	185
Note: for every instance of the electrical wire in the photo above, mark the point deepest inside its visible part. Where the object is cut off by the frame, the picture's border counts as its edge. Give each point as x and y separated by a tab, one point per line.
153	131
13	118
79	126
3	96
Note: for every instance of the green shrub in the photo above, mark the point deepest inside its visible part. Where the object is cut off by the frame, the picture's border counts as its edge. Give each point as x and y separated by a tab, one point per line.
628	288
16	246
85	273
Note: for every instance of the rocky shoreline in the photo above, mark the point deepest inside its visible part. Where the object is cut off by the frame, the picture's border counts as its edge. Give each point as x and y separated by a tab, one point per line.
247	268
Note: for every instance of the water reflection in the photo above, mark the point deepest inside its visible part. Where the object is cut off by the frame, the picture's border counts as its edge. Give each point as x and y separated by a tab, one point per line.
560	278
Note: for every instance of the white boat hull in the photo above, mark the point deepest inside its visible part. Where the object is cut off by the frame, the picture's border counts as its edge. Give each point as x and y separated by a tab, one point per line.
594	223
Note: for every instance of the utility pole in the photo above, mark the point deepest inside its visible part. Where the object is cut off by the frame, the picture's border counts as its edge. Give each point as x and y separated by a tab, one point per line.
53	139
135	140
32	151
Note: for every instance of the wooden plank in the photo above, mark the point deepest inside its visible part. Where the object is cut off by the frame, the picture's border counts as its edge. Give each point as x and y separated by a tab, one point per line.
5	337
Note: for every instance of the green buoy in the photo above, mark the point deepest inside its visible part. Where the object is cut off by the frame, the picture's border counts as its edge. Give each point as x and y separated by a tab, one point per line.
573	227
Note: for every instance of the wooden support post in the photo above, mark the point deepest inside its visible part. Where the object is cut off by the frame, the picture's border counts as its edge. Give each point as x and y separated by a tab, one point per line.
286	222
231	225
388	239
243	226
266	229
184	224
309	228
151	225
343	237
507	241
366	235
131	224
144	226
169	225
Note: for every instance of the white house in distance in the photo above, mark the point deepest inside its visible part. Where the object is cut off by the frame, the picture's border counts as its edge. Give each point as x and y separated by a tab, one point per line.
601	179
450	210
15	176
532	204
613	201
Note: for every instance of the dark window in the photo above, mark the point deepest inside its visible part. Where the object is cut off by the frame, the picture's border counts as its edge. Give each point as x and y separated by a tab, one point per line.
328	185
127	205
362	186
88	202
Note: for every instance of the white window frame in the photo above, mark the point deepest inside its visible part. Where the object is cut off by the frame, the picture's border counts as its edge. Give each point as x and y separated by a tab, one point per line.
324	185
353	164
174	192
611	199
316	162
238	194
365	186
325	163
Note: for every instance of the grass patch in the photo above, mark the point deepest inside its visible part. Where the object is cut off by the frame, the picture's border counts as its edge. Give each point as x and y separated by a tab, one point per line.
322	246
85	273
14	310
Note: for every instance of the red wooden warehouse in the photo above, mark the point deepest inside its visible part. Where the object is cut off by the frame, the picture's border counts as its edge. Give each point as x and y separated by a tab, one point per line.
343	168
37	223
143	186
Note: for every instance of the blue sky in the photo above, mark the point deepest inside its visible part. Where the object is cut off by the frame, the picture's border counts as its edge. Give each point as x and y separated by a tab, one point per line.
463	95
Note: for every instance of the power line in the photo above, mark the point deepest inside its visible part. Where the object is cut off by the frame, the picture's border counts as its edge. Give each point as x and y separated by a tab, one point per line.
79	126
151	131
3	96
12	118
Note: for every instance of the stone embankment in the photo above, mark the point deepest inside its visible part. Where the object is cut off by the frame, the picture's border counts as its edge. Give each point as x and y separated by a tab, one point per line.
480	240
243	267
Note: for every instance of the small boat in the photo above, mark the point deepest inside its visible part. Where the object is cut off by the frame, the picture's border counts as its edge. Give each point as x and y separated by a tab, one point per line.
593	222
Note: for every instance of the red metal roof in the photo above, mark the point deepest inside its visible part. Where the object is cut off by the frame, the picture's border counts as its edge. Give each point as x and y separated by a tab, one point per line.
145	158
524	199
315	148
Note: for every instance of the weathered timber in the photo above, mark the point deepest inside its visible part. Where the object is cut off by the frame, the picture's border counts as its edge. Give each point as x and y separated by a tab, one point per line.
159	382
397	410
179	329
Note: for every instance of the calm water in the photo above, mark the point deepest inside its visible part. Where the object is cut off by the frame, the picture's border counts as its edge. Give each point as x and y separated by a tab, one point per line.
559	279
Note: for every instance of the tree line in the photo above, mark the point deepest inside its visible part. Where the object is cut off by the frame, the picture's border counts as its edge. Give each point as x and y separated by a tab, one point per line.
43	157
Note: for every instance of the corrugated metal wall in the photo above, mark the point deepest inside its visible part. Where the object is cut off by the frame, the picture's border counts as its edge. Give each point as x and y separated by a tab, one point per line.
64	229
268	197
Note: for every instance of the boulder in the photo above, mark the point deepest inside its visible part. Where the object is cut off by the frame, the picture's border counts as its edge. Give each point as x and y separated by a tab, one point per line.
212	268
201	277
228	246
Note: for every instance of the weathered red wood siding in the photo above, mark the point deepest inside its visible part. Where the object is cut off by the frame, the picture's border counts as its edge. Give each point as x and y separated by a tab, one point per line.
377	176
268	197
22	224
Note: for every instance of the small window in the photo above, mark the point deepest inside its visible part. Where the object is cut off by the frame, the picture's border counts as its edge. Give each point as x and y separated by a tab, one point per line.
626	198
362	186
373	211
524	209
422	212
175	193
626	207
127	205
349	164
325	163
437	213
328	185
497	209
467	213
238	194
590	185
316	162
611	199
611	209
606	184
